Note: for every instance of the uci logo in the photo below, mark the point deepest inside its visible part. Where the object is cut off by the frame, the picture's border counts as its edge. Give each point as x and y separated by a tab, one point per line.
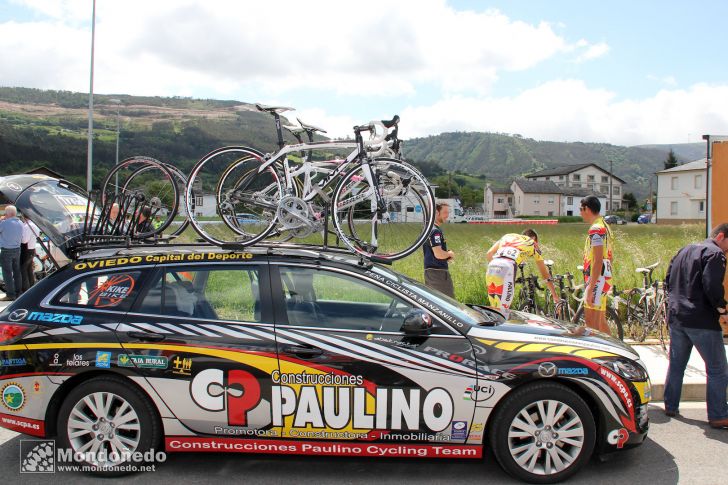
618	437
236	391
481	393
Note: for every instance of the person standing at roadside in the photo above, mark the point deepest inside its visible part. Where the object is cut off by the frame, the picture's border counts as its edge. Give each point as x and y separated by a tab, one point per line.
11	235
503	258
696	308
437	256
597	265
27	253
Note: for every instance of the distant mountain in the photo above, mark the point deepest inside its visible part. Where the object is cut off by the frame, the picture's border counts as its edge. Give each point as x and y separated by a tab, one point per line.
40	127
501	157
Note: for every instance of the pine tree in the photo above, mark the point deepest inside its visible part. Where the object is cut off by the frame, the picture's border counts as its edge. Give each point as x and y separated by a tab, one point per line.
671	160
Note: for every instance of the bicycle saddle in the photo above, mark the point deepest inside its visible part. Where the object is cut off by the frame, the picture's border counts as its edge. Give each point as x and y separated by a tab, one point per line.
548	262
310	127
647	269
296	130
272	109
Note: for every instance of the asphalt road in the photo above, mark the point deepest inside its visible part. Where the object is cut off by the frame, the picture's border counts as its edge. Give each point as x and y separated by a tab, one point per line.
683	450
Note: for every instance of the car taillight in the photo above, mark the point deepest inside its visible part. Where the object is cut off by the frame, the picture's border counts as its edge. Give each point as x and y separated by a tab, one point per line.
12	332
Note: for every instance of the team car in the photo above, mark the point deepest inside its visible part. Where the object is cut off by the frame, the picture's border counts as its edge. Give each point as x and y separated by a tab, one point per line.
285	349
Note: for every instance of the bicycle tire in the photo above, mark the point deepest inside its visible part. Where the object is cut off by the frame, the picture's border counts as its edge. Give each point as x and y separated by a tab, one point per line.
146	163
232	238
613	321
182	184
388	180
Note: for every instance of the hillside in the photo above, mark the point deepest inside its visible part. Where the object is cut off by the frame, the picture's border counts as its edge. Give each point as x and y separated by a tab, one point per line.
501	157
49	128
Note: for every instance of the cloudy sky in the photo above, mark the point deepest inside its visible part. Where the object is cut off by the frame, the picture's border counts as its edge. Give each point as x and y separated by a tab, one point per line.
624	72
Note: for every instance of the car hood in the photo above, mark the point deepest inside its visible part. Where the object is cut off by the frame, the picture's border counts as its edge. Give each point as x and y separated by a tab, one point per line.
535	329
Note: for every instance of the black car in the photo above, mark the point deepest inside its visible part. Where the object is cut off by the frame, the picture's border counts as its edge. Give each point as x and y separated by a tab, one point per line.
301	351
614	220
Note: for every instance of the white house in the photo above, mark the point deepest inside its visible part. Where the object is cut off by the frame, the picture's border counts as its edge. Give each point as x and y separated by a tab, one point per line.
536	198
498	203
587	176
571	200
681	193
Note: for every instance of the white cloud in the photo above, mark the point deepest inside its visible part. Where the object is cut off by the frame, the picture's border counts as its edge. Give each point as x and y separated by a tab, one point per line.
568	110
383	48
666	80
593	51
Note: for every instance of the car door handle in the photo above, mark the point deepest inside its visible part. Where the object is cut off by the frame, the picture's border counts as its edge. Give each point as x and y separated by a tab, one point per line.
302	351
146	336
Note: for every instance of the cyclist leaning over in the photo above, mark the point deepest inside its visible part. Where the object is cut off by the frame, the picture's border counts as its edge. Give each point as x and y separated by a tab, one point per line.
503	257
597	265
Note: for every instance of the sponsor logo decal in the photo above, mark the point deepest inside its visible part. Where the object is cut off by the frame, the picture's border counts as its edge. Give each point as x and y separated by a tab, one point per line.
573	371
55	361
36	387
547	369
618	437
459	430
18	315
156	258
142	361
183	443
13	362
182	366
479	393
13	396
322	401
77	361
112	292
22	425
55	318
103	359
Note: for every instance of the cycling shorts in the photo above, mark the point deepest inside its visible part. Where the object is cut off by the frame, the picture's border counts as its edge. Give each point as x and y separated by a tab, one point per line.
601	290
500	281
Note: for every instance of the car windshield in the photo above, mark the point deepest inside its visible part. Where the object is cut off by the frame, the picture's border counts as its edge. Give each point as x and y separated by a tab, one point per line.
448	306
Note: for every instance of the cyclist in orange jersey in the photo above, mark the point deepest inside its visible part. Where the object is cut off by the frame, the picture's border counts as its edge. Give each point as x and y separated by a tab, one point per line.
597	264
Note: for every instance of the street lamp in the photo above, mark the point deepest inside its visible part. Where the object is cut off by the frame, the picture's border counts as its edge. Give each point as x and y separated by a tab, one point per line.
117	102
90	157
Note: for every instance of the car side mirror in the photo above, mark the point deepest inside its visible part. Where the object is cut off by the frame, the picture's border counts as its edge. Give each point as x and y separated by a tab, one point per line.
417	323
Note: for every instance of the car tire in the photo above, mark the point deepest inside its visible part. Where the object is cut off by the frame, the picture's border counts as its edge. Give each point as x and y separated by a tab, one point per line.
142	432
511	442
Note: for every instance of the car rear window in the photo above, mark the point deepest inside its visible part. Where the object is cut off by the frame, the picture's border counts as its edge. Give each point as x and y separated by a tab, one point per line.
104	291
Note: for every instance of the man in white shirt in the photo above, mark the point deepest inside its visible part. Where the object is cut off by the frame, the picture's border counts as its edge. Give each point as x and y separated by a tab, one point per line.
27	253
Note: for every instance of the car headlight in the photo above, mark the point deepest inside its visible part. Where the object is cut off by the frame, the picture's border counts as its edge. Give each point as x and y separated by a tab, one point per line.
623	367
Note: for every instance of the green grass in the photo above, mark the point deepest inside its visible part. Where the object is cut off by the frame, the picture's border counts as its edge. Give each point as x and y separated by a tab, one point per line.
634	246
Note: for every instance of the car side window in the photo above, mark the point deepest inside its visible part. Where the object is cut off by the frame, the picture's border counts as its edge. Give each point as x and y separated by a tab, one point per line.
105	291
327	299
210	293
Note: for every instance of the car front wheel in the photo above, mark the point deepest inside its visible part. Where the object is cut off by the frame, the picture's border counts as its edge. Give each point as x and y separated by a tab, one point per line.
543	433
106	422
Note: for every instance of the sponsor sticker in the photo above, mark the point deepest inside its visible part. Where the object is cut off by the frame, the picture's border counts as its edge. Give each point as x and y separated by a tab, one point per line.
479	393
459	430
573	371
103	359
77	361
618	437
112	292
13	362
182	366
13	396
142	361
55	318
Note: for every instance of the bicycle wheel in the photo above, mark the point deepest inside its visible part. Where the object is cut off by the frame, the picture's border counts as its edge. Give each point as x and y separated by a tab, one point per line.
151	183
562	311
660	323
615	323
638	315
181	182
389	231
251	200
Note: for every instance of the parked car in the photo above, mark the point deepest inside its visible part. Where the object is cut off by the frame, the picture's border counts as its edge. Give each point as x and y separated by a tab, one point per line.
277	349
644	219
614	220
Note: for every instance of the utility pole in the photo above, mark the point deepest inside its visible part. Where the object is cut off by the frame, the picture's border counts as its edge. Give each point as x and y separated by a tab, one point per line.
117	102
90	156
449	185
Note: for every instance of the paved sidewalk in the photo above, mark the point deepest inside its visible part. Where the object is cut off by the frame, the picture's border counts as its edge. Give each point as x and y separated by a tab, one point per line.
656	360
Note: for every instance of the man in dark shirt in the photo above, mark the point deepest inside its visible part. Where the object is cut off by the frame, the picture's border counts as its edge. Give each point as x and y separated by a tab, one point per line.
437	274
696	308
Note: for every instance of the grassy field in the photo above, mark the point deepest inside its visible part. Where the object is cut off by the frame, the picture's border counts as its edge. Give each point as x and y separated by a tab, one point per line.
635	246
